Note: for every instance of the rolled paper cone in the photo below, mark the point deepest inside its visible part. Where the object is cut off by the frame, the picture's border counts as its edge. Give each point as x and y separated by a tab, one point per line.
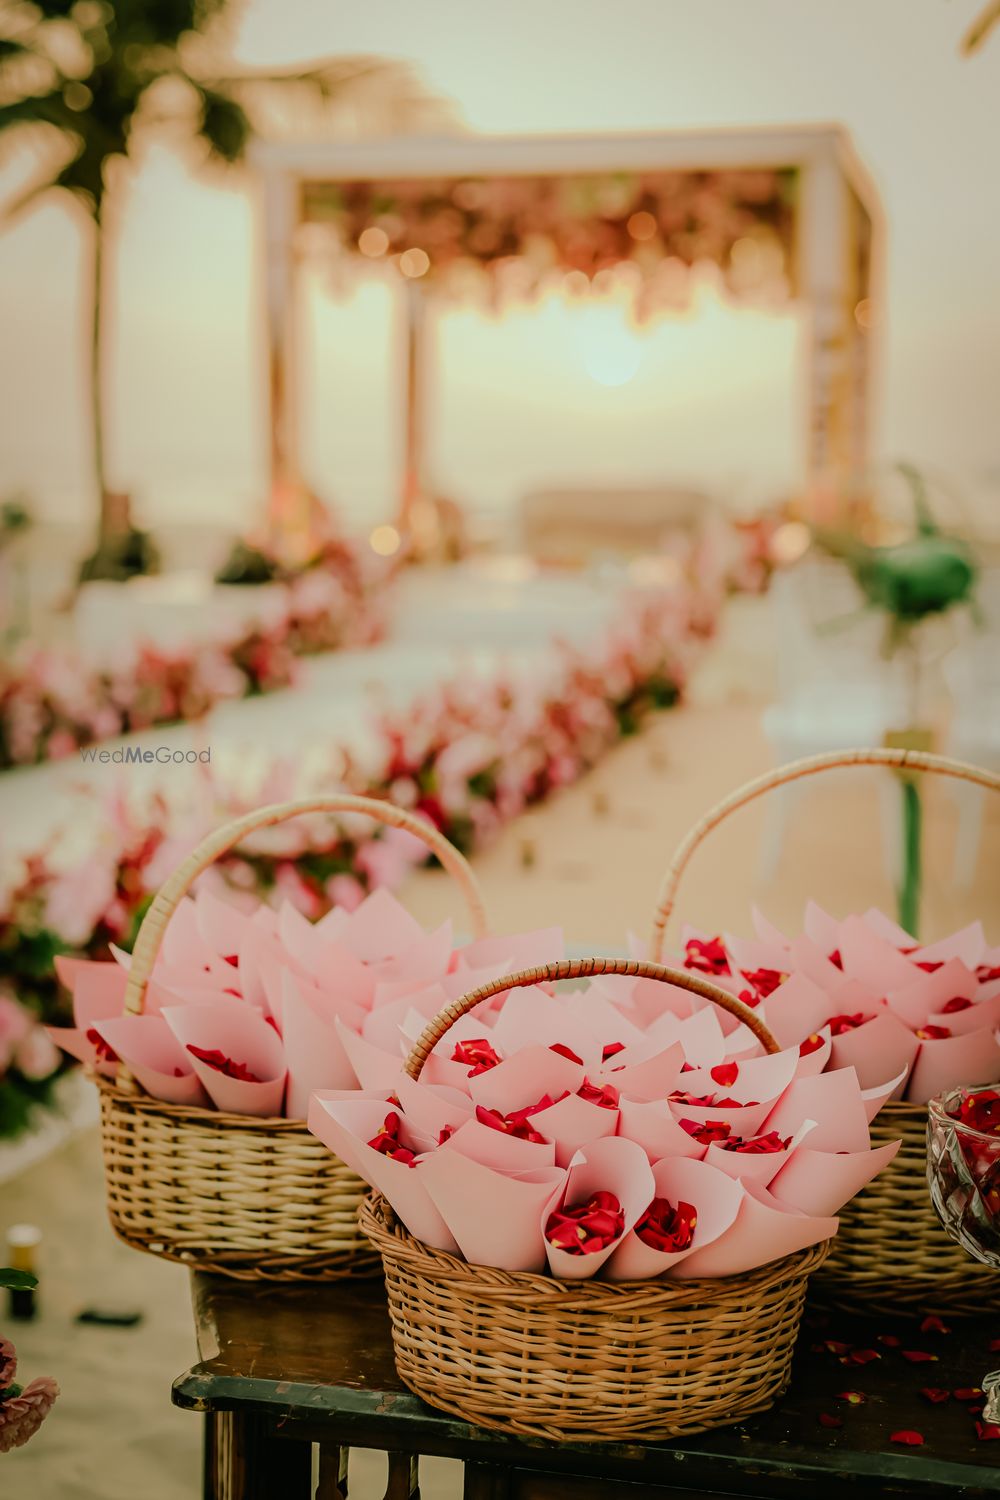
152	1053
969	945
573	1123
243	1037
645	1078
98	994
762	1231
757	1078
873	1099
745	1120
821	1182
795	1010
314	1053
346	1128
760	1167
76	1042
768	933
380	928
811	960
821	928
716	1200
982	1015
871	960
220	925
949	1061
497	1149
529	1017
750	955
432	1109
834	1102
811	1063
877	1050
521	1080
516	951
654	1127
928	992
612	1165
183	946
494	1218
885	928
381	1025
700	1035
373	1067
422	962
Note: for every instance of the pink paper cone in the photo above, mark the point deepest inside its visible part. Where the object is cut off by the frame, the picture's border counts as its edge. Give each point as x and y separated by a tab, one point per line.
873	1099
644	1078
382	1025
812	961
380	928
758	1078
502	1152
877	1050
653	1127
612	1165
519	950
795	1010
494	1218
242	1036
982	1015
346	1127
928	992
884	927
833	1100
969	945
944	1064
530	1016
767	932
572	1124
422	962
716	1199
763	1231
821	1182
76	1042
752	1167
314	1053
373	1067
521	1080
815	1062
221	926
871	960
821	929
149	1048
432	1109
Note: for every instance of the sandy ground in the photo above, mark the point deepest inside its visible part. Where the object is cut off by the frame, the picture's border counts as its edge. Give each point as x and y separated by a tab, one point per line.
596	856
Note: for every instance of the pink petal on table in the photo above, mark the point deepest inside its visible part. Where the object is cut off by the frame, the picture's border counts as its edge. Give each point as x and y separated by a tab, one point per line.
821	1182
834	1101
763	1231
611	1165
346	1127
877	1050
949	1061
495	1218
716	1199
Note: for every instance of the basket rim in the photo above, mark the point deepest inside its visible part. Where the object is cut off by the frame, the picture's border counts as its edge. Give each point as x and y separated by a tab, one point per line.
384	1230
197	1114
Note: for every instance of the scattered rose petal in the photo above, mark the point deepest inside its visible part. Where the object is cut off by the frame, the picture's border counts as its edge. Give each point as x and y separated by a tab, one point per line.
968	1393
725	1074
933	1324
889	1340
708	956
918	1356
860	1357
853	1398
827	1419
987	1432
935	1394
565	1051
213	1058
908	1439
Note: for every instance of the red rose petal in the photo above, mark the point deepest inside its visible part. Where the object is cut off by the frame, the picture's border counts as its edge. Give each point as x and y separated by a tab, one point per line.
860	1357
987	1432
477	1054
967	1393
841	1024
725	1074
994	1346
826	1419
908	1439
853	1398
565	1051
667	1227
933	1324
955	1004
935	1394
213	1058
606	1097
834	1347
611	1049
933	1033
104	1052
586	1228
811	1044
705	1134
889	1340
918	1356
708	956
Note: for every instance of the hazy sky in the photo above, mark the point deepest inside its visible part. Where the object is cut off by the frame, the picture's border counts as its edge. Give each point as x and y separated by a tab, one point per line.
714	397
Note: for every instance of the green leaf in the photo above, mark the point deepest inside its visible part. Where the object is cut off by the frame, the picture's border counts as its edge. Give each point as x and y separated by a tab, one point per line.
17	1281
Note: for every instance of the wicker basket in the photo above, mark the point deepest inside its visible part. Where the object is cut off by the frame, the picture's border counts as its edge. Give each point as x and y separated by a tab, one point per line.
235	1194
890	1254
588	1360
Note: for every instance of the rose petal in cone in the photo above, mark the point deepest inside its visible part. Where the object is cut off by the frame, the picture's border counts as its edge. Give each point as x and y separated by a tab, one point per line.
242	1036
160	1064
763	1231
612	1165
716	1199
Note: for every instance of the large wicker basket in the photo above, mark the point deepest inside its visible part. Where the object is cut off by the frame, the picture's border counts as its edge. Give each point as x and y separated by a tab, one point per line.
589	1360
891	1254
234	1194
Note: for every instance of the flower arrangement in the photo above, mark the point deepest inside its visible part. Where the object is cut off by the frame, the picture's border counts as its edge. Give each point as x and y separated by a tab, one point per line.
53	704
29	1064
23	1409
861	993
617	1131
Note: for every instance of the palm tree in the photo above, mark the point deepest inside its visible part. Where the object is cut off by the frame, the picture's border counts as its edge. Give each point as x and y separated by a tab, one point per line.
86	78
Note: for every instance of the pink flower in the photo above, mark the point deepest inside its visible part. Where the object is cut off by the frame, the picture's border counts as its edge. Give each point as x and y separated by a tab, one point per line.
345	891
79	898
37	1056
15	1024
8	1363
23	1414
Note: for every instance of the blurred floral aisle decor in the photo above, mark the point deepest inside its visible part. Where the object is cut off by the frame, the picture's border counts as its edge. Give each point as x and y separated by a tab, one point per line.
53	704
85	83
911	582
23	1408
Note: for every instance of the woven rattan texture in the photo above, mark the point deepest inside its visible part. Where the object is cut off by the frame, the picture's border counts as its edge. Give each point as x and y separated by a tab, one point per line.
591	1360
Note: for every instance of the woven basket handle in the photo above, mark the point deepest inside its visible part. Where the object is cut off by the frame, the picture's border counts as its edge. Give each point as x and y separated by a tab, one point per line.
910	760
582	968
173	891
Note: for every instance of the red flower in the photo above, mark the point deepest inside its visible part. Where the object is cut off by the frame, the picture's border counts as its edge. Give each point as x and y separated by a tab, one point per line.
933	1324
387	1141
606	1097
908	1439
664	1227
104	1052
918	1356
477	1054
827	1419
987	1432
758	1145
565	1051
981	1111
840	1024
587	1227
705	1134
955	1004
764	981
517	1123
725	1074
932	1033
22	1412
709	956
222	1064
853	1398
935	1394
811	1044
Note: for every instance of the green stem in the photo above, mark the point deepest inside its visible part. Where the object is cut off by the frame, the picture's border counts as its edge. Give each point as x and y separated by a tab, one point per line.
909	890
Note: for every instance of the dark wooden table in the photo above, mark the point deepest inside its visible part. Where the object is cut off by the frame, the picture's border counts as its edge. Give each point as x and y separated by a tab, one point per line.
284	1368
